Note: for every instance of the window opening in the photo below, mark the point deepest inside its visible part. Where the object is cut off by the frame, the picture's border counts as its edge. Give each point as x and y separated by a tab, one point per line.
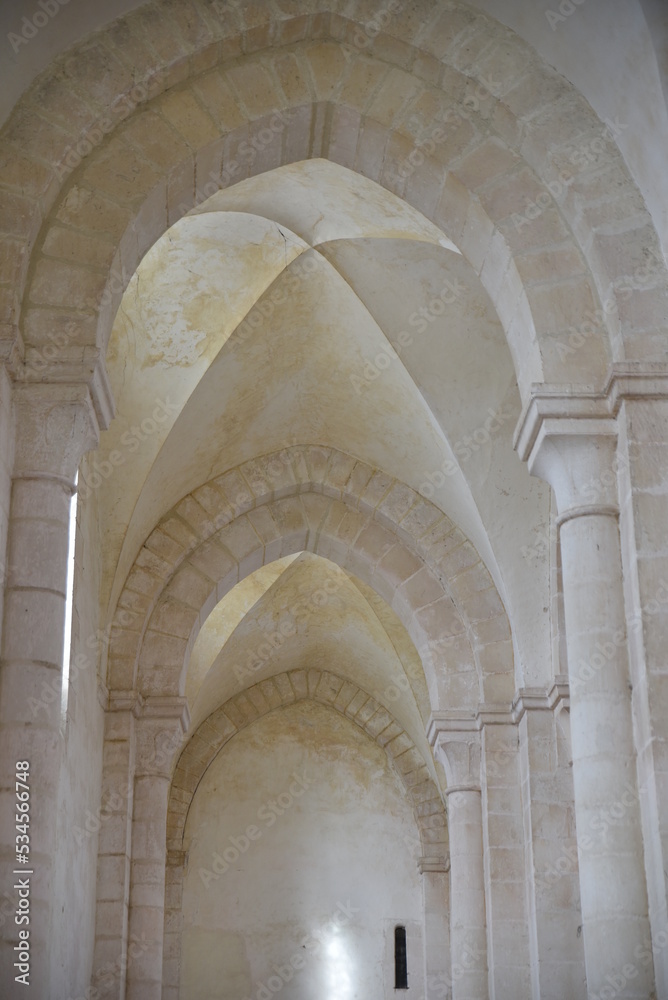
69	606
400	959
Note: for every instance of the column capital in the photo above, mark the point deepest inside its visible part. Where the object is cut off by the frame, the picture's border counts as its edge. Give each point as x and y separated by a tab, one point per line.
568	435
570	441
176	859
533	699
67	365
162	723
166	707
125	701
56	425
457	744
434	863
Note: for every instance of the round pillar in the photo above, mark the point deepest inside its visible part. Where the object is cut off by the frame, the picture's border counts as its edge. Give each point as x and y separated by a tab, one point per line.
55	426
460	755
163	721
576	454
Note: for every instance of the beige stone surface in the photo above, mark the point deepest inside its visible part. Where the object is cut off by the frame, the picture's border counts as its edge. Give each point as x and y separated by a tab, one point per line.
352	320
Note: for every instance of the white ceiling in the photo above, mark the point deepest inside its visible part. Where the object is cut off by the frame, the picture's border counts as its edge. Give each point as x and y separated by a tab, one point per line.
256	319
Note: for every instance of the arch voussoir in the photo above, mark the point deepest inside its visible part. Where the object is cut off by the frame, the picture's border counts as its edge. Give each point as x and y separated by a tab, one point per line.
258	701
320	500
334	692
151	151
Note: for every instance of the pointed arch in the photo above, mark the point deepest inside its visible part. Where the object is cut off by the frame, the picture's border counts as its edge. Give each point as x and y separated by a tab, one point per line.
325	688
323	501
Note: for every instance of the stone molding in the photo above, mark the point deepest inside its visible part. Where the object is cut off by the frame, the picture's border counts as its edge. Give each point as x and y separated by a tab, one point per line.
590	510
552	699
75	366
564	405
439	865
151	707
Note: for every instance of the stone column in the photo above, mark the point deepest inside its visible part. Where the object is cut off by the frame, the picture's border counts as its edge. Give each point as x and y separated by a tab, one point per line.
114	848
55	426
460	755
171	949
640	394
551	860
503	844
435	894
571	443
162	721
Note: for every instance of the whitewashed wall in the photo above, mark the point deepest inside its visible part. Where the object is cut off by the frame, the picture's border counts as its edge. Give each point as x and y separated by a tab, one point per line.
314	898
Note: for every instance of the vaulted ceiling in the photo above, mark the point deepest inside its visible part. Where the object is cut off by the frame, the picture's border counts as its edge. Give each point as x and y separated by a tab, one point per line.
308	305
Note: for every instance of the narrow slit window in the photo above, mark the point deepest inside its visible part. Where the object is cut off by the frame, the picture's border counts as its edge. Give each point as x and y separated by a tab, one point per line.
69	607
400	959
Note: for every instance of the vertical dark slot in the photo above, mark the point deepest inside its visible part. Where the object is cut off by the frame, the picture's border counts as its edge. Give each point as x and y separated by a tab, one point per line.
400	959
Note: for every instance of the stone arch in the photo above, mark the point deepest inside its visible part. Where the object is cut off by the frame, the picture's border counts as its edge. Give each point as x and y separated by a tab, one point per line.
327	689
254	703
321	500
363	98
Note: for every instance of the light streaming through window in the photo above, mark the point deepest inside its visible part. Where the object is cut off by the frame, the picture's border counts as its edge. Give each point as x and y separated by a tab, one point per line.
340	984
69	606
